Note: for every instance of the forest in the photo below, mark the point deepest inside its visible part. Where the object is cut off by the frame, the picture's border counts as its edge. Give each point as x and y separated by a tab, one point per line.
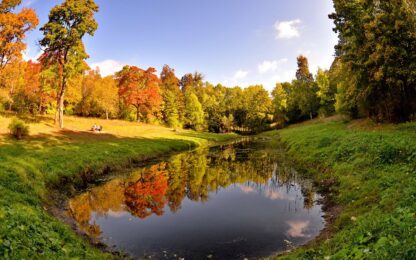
371	76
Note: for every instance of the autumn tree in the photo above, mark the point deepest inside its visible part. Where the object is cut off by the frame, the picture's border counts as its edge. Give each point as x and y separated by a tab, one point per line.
140	88
32	93
192	82
13	29
377	48
87	106
11	81
63	33
106	96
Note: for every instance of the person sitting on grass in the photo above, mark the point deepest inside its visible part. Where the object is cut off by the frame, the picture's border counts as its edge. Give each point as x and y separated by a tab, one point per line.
96	128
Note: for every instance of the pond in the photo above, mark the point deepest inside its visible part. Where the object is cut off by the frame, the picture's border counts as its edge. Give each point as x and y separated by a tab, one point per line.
236	201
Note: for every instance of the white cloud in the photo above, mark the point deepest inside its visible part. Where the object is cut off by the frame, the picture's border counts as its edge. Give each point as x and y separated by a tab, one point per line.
240	74
270	66
238	79
27	57
28	3
288	29
283	75
107	67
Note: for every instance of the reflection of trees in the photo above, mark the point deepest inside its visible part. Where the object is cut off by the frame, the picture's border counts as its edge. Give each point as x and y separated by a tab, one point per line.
192	175
99	200
146	196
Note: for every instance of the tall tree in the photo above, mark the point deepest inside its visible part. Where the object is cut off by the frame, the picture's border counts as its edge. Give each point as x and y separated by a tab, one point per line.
13	28
306	89
63	33
377	46
140	88
326	93
303	74
173	99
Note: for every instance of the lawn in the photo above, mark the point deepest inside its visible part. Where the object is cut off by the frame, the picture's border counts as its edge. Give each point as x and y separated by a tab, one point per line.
368	172
49	157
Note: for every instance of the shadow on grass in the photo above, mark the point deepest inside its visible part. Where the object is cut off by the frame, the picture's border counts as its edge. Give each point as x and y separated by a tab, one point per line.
207	136
45	159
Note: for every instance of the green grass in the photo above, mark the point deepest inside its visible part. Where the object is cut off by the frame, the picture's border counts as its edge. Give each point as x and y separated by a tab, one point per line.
368	172
50	157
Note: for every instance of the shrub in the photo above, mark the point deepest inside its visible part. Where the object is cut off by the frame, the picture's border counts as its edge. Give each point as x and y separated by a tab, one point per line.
18	128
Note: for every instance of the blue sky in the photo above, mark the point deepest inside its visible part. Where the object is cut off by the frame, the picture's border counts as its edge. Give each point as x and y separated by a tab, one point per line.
233	42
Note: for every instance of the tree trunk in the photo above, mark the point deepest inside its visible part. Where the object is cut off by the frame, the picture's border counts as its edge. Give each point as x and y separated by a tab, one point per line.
310	115
40	108
61	111
138	114
60	104
106	115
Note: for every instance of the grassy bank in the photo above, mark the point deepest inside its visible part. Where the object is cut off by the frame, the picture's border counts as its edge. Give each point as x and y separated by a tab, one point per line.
30	167
369	171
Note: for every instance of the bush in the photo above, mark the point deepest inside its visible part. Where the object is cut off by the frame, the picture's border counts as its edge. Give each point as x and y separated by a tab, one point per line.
18	128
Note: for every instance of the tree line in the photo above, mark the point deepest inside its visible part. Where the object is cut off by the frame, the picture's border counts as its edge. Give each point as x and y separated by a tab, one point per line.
373	75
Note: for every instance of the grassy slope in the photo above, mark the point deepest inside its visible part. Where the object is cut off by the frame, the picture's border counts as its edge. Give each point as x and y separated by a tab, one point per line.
29	166
372	170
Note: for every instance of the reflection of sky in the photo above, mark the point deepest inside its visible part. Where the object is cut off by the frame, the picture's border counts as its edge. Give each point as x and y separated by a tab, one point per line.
297	228
268	192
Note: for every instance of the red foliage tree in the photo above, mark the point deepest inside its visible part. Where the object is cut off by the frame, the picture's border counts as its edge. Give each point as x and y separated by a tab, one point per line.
140	88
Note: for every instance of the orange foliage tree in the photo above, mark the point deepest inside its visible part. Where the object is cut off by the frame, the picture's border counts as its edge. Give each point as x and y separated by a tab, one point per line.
13	28
37	94
140	88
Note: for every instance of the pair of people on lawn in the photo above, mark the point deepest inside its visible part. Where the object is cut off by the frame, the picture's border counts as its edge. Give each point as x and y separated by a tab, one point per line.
96	128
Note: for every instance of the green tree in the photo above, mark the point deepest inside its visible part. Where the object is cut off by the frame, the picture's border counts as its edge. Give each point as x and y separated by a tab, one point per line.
170	109
194	113
326	93
305	89
63	33
173	100
258	104
280	104
377	46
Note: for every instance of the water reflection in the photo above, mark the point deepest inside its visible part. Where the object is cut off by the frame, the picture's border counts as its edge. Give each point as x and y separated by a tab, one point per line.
238	200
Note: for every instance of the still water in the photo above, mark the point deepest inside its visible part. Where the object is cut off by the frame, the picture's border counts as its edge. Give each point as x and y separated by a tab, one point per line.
230	202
